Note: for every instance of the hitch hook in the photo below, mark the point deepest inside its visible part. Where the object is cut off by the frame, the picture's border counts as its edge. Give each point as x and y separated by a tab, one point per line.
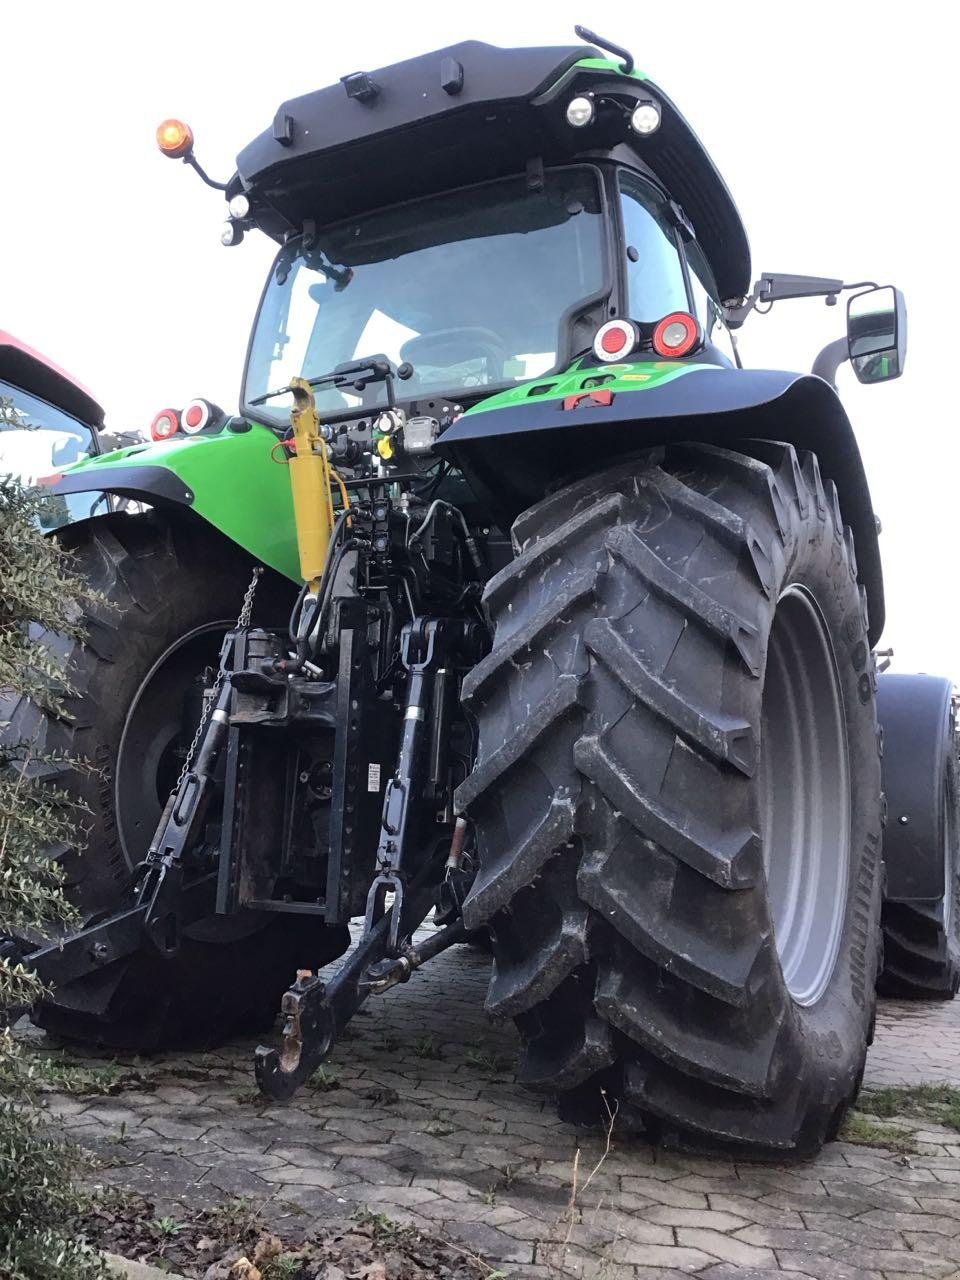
309	1032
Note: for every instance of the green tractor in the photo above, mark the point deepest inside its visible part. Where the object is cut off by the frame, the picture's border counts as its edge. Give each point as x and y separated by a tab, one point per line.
512	597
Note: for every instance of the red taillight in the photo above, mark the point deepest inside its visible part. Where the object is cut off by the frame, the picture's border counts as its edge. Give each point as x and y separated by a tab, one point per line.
165	425
676	334
196	416
615	339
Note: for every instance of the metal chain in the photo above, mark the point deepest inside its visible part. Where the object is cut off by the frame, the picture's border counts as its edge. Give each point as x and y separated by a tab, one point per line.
209	699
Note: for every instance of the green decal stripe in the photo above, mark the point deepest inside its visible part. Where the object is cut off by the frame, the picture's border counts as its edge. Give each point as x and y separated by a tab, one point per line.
613	377
595	66
609	64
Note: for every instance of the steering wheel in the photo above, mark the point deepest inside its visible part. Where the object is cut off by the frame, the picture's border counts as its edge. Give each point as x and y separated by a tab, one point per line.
454	346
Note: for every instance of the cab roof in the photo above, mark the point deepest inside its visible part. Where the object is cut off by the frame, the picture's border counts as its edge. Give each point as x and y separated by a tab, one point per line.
467	114
38	375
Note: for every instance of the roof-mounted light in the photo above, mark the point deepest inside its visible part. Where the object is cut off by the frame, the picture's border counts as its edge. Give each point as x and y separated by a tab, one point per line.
615	340
175	139
645	118
580	112
676	335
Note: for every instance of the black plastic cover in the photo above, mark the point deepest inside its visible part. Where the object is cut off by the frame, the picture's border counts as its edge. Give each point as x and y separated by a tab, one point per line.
430	127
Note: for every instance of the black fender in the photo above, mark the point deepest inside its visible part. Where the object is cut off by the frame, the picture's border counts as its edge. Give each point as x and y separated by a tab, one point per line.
915	717
150	484
513	455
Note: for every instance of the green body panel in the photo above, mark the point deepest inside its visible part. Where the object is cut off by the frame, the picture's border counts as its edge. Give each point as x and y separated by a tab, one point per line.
638	376
235	483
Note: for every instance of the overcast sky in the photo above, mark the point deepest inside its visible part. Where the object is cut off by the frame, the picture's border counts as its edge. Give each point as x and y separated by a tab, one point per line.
829	121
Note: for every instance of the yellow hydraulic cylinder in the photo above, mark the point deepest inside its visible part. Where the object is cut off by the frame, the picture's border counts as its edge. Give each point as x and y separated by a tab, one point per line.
311	480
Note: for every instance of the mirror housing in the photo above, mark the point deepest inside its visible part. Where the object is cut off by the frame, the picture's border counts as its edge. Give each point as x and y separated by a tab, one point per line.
877	334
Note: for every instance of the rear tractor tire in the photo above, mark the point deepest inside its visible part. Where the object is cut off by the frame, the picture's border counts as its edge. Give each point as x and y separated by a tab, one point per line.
921	843
171	593
677	799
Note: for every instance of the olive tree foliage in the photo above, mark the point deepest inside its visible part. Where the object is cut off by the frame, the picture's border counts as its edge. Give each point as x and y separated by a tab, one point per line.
39	598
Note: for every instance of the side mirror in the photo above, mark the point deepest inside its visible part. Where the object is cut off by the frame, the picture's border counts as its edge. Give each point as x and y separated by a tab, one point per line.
877	334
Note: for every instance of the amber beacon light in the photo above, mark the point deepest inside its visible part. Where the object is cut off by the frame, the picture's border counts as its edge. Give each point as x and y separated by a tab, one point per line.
175	139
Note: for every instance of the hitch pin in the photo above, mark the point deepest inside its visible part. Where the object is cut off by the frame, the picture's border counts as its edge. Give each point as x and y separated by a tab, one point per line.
387	973
455	856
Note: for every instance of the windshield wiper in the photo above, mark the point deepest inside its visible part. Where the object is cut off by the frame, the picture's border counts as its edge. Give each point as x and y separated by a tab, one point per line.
353	376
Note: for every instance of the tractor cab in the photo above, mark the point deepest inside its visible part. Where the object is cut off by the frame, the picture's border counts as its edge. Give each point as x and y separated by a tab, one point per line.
512	233
477	216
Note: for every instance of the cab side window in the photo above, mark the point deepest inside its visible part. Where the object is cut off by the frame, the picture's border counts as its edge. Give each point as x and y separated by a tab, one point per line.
707	307
654	273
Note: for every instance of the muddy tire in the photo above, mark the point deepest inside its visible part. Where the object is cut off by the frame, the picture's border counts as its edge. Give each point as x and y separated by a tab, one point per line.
921	846
677	799
171	593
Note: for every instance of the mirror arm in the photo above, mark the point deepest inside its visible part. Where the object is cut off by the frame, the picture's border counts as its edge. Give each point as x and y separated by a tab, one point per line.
778	287
830	359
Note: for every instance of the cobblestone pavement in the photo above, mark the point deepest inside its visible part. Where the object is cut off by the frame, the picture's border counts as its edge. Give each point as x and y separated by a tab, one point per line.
421	1120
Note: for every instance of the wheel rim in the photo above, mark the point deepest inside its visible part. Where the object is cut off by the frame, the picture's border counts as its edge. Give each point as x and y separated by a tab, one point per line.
148	757
804	796
949	827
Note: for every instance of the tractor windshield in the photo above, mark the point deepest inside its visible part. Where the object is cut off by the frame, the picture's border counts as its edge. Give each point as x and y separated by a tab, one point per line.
473	288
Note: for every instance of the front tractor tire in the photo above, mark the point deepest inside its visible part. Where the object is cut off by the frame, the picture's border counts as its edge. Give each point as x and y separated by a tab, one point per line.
170	592
677	799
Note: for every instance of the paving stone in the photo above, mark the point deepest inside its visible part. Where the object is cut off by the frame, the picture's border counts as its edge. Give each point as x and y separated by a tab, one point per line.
304	1157
313	1176
705	1218
112	1115
405	1197
725	1248
907	1275
176	1094
65	1108
166	1127
363	1150
239	1182
819	1267
620	1225
489	1242
318	1205
942	1190
651	1255
724	1271
933	1243
664	1193
757	1211
656	1273
949	1208
376	1172
127	1270
449	1145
